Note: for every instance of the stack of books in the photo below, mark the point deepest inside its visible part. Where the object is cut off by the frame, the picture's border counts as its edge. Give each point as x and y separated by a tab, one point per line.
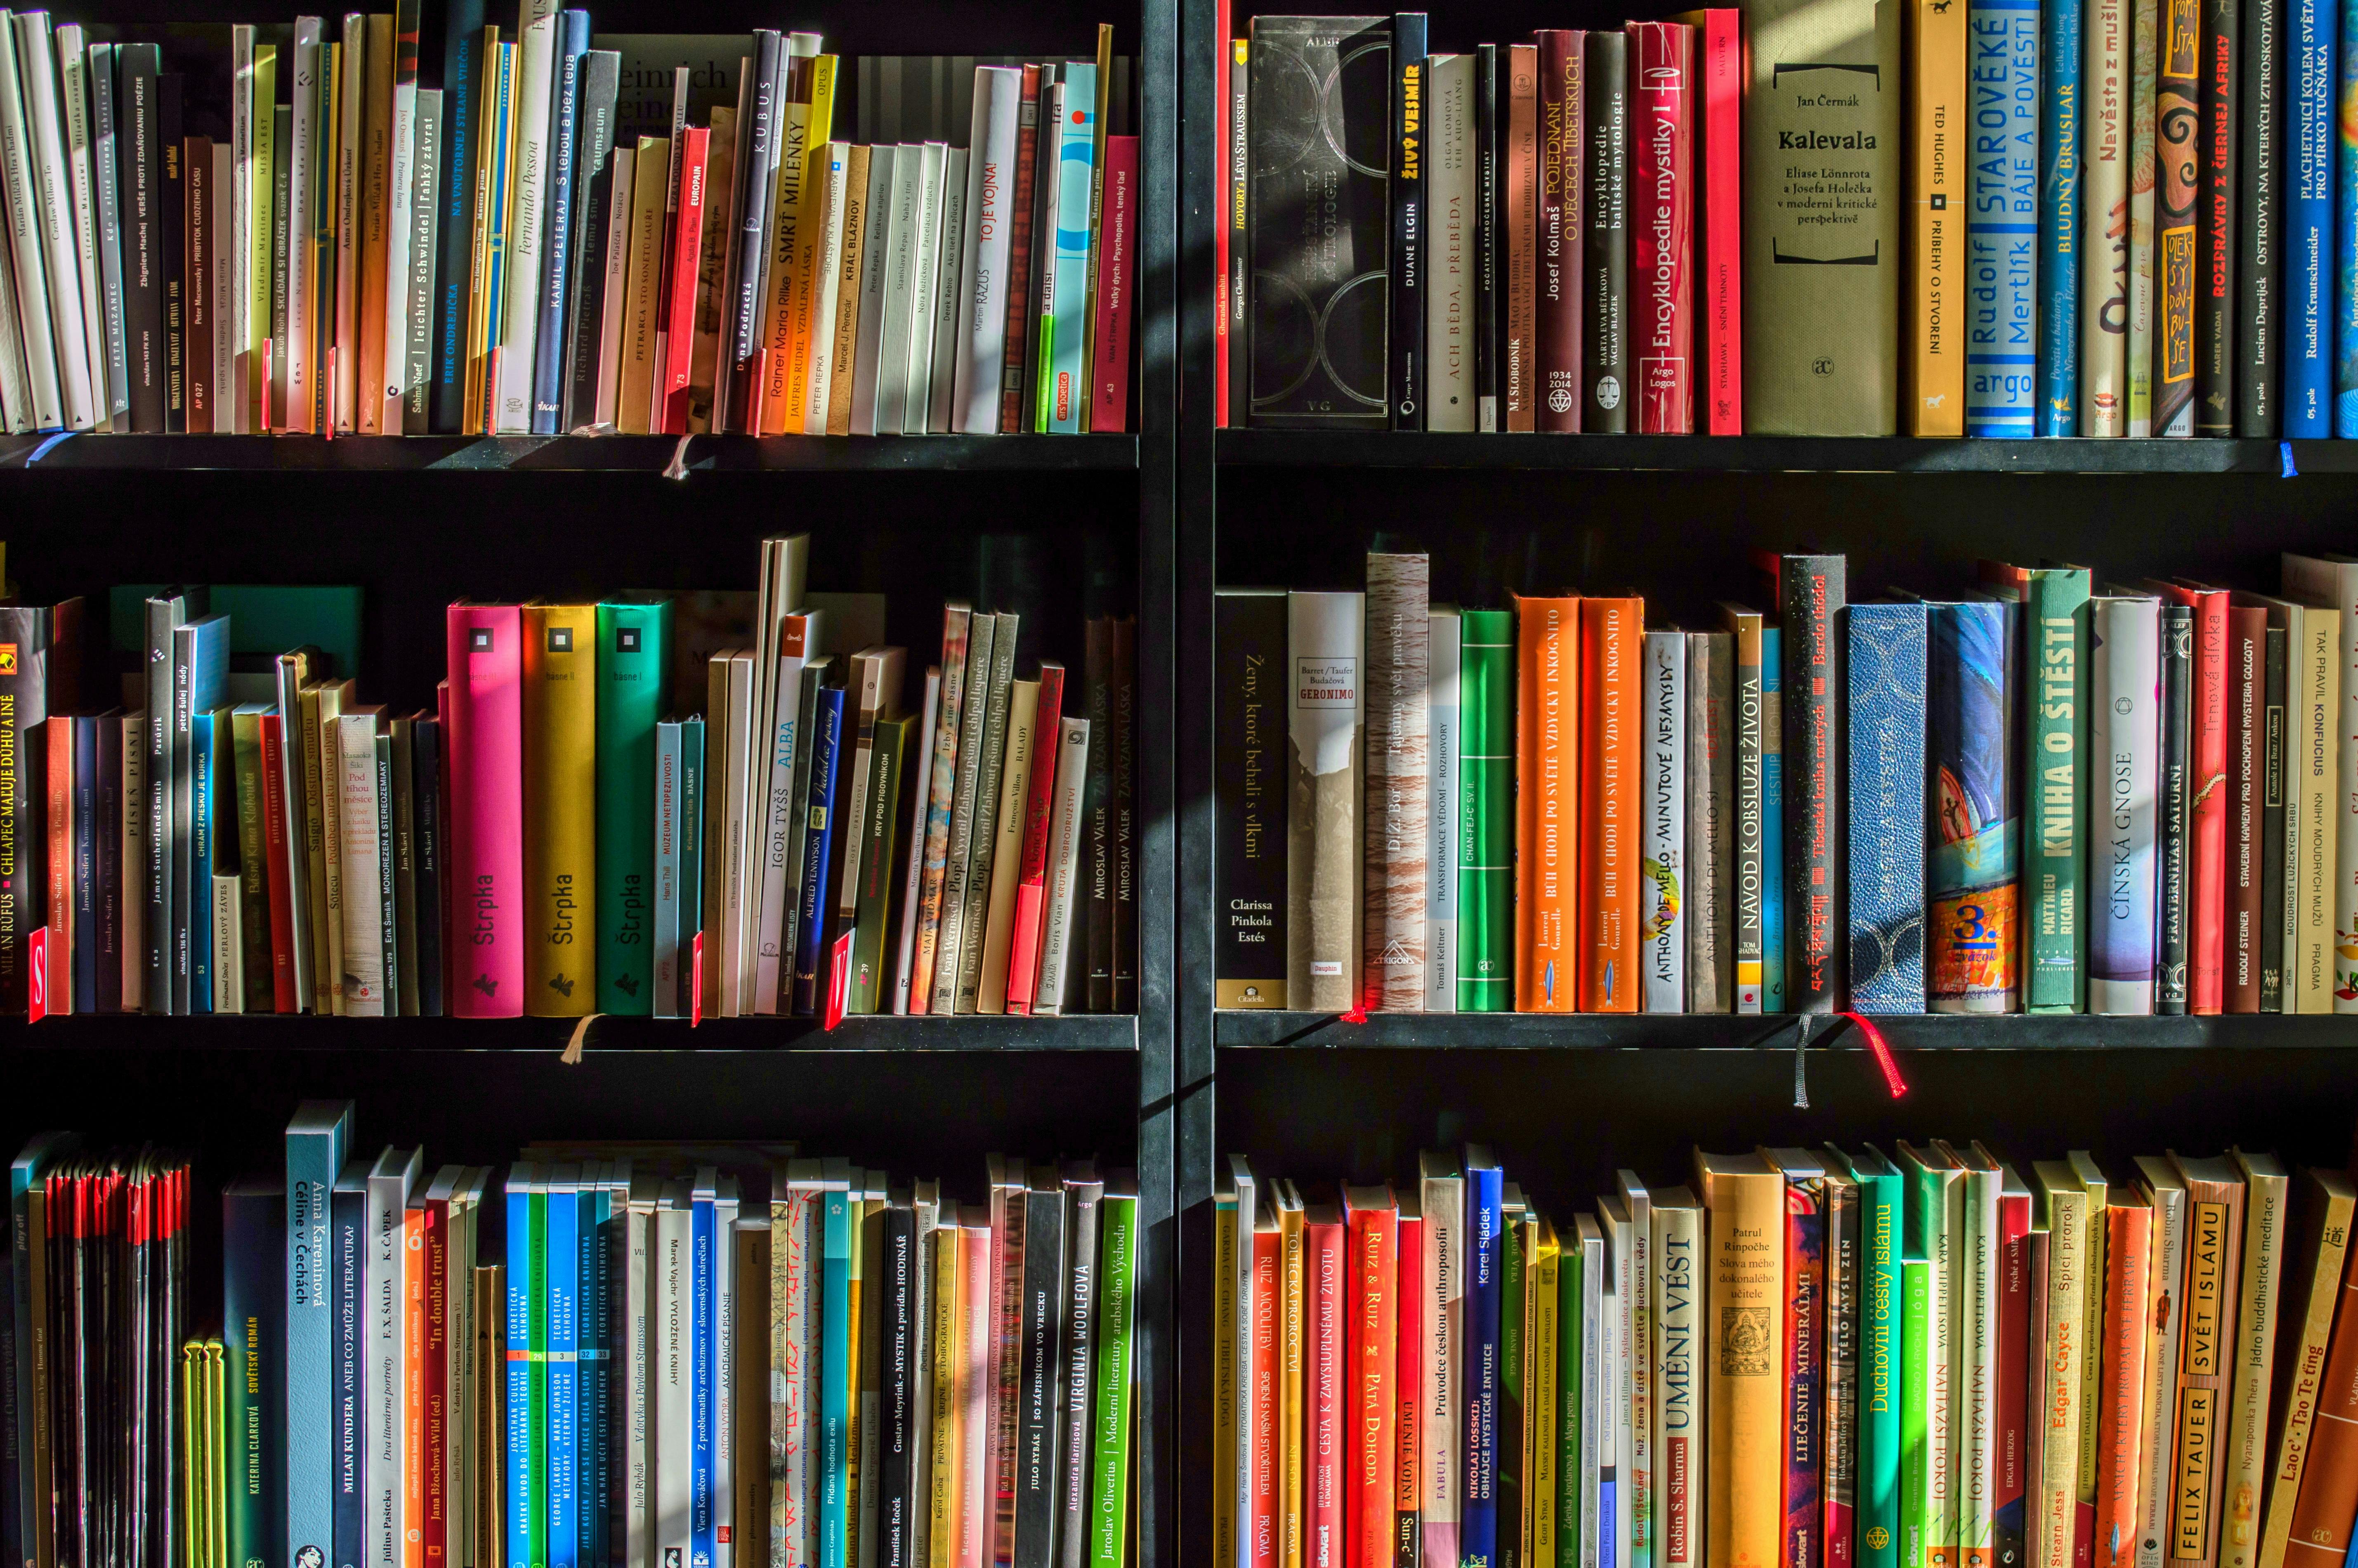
1803	1357
2045	793
293	230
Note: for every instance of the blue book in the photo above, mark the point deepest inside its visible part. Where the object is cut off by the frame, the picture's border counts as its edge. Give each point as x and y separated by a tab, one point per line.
704	1347
200	652
454	266
1886	816
2002	222
834	1355
1879	1358
1772	828
1063	340
347	1260
2345	229
316	1143
2059	221
597	1357
1971	877
254	1334
564	1437
1486	1196
521	1503
810	950
30	1168
207	730
2307	270
549	351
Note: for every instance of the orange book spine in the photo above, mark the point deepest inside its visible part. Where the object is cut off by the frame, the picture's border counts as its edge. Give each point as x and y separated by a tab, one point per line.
1547	803
1373	1263
2329	1482
413	1384
2128	1263
435	1355
59	794
1612	632
1262	1391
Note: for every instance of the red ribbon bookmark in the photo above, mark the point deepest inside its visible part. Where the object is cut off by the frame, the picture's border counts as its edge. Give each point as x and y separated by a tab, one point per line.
1882	1049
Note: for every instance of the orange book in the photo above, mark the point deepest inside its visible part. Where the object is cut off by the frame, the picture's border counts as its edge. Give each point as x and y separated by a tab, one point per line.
1612	637
434	1334
1371	1266
59	794
1547	802
2329	1482
413	1384
2128	1264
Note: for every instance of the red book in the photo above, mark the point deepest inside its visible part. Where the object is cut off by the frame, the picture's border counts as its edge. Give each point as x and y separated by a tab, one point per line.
1327	1406
1662	225
1718	101
1261	1389
1225	190
1408	1380
1557	268
1032	887
686	253
2247	744
1117	269
59	780
2015	1436
437	1357
2206	878
1019	254
273	840
1373	1266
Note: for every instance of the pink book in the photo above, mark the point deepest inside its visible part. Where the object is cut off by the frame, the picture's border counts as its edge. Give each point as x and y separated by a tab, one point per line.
1325	1409
687	251
1662	225
484	738
1032	891
1118	247
1719	46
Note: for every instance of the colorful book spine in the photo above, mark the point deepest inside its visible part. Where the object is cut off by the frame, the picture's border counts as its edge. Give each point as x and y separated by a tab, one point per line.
1750	819
563	1433
1717	97
253	1319
1973	917
1937	178
1661	220
1885	809
1666	872
2104	149
634	655
2001	276
1557	272
1612	651
1919	1514
1477	1539
560	792
316	1138
486	739
2173	809
2177	126
817	849
2216	305
2059	219
2055	732
1772	820
520	1504
703	1328
1109	1476
1811	589
1547	804
1881	1346
2144	44
1805	1236
2307	266
1064	369
1407	285
1486	803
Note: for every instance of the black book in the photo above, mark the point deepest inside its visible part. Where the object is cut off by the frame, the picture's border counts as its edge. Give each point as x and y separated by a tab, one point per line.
1124	823
2274	766
1321	221
2259	344
1237	184
84	875
140	178
1039	1429
1486	143
172	207
756	149
1043	257
593	179
1249	796
897	1437
1097	813
1811	594
347	1302
23	704
425	804
167	613
1605	251
454	266
2174	807
2217	302
1083	1197
1404	337
106	930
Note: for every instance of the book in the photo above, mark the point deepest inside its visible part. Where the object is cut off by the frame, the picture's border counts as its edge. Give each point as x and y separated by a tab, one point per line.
1811	595
2176	119
1743	1401
2123	726
1516	128
633	654
317	1137
1611	651
1938	205
2174	809
1399	799
2305	267
2061	216
1663	894
1548	707
1456	181
1562	269
2325	1209
1971	887
1445	818
1885	806
1326	765
2106	134
484	746
1662	222
1598	153
1407	285
1250	642
1486	949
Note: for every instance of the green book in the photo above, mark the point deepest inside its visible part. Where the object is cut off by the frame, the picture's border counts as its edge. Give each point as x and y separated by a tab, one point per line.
2055	858
692	848
878	855
536	1382
1572	1316
1936	1234
1879	1358
252	856
1485	804
1514	1339
634	652
1918	1523
1116	1274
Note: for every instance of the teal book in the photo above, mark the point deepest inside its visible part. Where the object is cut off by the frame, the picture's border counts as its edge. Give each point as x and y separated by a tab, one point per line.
1877	1485
1485	804
634	652
266	620
834	1364
208	734
1064	337
1772	820
1117	1291
2055	749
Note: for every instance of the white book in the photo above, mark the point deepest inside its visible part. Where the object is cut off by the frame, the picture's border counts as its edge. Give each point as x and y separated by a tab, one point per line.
991	194
15	392
1977	1334
74	97
1678	1323
619	206
1662	794
25	348
1450	223
228	944
527	218
804	636
38	79
2124	737
352	76
1065	824
1441	1190
240	235
829	284
636	1385
724	1336
947	313
106	192
919	788
2331	581
900	258
1443	733
2105	198
1588	1336
364	913
223	283
925	279
674	1371
1637	1394
384	1376
883	172
400	202
1621	1257
302	153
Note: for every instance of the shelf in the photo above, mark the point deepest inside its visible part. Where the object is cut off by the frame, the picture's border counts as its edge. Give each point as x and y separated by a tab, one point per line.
1612	1032
605	454
1771	454
120	1031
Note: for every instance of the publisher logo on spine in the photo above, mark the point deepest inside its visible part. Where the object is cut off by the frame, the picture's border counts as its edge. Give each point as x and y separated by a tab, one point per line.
1325	683
479	639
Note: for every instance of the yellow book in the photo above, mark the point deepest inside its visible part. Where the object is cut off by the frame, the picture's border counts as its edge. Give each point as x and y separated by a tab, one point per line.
2062	1200
2315	675
334	698
2090	1177
643	291
560	808
479	242
1744	1397
2265	1192
1290	1323
1937	112
810	239
1539	1413
851	219
263	187
776	342
1226	1380
949	1299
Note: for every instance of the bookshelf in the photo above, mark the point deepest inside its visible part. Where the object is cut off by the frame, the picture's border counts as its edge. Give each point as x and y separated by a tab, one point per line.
578	454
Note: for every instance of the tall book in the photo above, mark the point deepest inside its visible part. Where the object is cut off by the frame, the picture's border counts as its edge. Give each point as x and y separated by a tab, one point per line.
1450	333
1663	892
2217	303
1547	860
1517	340
1398	731
2062	112
2106	147
1661	220
1248	865
1973	899
2214	1237
560	788
2326	1208
2305	267
1938	173
1565	289
2250	1419
1811	594
2330	582
1325	854
2055	731
1885	806
1743	1199
485	747
1599	161
633	659
1612	646
1444	819
2177	124
1407	286
1486	956
316	1138
2124	729
1749	803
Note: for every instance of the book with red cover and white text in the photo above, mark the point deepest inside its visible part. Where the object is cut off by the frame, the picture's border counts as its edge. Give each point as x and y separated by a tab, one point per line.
485	742
1662	225
2206	872
1372	1268
686	255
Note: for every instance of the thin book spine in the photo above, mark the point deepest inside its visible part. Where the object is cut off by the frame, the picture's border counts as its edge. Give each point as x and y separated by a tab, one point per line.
2060	218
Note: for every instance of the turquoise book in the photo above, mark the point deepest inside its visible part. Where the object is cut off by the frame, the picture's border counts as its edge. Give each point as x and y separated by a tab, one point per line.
634	652
1772	820
2059	220
317	1141
1880	1335
521	1509
1064	337
834	1366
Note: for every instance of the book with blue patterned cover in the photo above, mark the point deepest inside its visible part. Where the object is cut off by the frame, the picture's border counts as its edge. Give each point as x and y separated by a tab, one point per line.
1885	820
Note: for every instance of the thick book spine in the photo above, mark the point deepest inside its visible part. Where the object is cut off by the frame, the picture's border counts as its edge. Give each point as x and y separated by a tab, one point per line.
1663	895
1600	170
1662	205
1399	799
1547	902
1249	856
1772	820
2173	808
2216	305
1749	801
1411	107
633	645
1557	273
1880	1349
2247	637
1744	1399
2178	120
2059	225
1885	806
1805	1431
1710	786
1612	649
1327	765
1718	100
1972	893
2055	732
1371	1309
2307	271
1485	804
2259	217
1936	216
2105	150
2208	729
1520	158
254	1320
485	746
1486	1257
2124	723
1813	594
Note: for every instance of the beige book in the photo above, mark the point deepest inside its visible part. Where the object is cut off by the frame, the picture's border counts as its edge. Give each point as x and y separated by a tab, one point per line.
2095	1269
947	1492
2159	1187
1323	855
643	291
983	837
2316	676
228	943
1007	844
2265	1191
362	964
2104	110
1399	782
2214	1239
2326	1209
375	214
736	842
621	209
2064	1204
808	235
849	218
334	698
828	288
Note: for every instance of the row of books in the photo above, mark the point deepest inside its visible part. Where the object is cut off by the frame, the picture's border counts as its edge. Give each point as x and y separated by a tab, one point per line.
621	1354
1801	1356
2011	218
2045	793
556	838
275	229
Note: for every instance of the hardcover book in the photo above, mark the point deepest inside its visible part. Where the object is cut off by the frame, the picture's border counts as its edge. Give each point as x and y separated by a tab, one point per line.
1971	894
2217	303
1662	937
1326	767
1937	174
2104	155
1412	220
1662	217
1811	591
1602	168
1559	271
1486	795
2124	729
1886	807
1518	166
2061	116
2177	154
1710	787
1548	824
1398	729
485	746
1612	647
1249	859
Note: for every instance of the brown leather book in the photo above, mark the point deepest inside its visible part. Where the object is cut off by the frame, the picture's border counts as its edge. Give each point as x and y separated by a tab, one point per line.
1562	54
1522	233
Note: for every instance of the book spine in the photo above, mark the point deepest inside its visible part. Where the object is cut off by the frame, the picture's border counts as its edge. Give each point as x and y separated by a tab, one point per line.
1233	385
2127	1259
2204	1373
1485	239
2257	340
1937	109
254	1288
1970	881
2308	270
1117	288
2277	934
1744	1399
31	308
560	720
1885	808
1719	149
2105	133
1600	164
1772	820
487	809
1667	871
1523	158
1557	272
1919	1473
559	251
1110	1458
2247	637
2060	1378
2245	1469
1450	307
1881	1349
1397	638
1324	853
2327	1224
1486	798
2206	882
2059	225
2056	732
1410	221
465	83
1411	1335
2012	1428
1329	1409
2216	305
1248	860
633	655
1479	1521
1443	815
313	1157
2178	120
1611	652
684	251
1813	598
811	947
2173	808
2002	232
1063	360
1805	1235
2124	725
1749	892
347	1426
1662	218
2321	1522
704	1343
